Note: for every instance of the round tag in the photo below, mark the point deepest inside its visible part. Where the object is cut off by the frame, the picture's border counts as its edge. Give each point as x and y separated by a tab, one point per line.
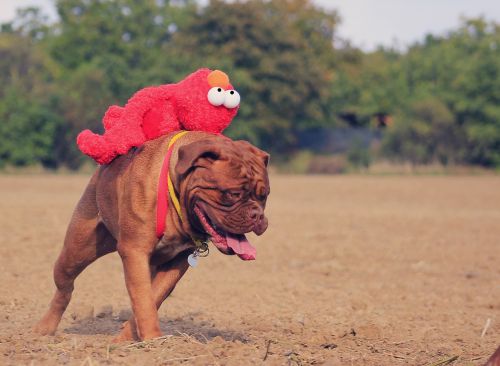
192	260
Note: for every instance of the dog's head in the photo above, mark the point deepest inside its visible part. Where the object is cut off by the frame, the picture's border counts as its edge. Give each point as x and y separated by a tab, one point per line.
224	188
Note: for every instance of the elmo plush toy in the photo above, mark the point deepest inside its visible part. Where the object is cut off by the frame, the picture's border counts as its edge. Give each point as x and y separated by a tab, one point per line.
203	101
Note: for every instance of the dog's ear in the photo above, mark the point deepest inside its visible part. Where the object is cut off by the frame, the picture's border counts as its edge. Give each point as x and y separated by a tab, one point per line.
197	154
265	157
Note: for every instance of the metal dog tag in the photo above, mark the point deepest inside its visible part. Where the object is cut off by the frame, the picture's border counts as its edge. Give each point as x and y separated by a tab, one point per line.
192	260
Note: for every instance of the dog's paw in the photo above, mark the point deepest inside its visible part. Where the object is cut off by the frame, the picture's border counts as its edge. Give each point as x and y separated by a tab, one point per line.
127	334
42	328
47	325
121	338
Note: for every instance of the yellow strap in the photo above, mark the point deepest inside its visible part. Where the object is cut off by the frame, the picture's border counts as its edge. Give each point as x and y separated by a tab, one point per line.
200	245
171	190
176	137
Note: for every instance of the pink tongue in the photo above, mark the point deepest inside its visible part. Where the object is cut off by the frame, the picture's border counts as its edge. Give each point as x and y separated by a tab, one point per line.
241	246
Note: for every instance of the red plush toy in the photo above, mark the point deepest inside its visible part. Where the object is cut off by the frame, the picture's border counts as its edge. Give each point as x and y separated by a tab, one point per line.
203	101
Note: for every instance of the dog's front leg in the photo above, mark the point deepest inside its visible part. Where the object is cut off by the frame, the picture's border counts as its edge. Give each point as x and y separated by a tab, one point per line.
138	281
164	282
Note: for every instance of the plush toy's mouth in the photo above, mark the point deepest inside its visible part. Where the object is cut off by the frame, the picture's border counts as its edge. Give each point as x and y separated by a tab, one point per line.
227	243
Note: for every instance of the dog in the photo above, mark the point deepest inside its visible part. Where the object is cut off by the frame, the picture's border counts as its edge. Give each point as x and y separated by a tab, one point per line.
222	186
494	360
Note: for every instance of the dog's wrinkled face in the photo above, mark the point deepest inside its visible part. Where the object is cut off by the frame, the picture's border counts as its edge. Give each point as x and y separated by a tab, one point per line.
225	186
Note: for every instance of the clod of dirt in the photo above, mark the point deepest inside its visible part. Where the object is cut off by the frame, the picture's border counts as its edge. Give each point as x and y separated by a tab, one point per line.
106	311
471	275
83	313
352	332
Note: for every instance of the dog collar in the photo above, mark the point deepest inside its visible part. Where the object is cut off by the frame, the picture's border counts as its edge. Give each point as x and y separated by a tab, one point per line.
166	190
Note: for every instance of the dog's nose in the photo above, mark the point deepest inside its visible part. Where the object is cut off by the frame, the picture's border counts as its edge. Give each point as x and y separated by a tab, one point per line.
260	226
256	214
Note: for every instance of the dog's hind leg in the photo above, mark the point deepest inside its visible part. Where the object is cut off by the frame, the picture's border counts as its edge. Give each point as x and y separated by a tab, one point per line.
86	240
163	284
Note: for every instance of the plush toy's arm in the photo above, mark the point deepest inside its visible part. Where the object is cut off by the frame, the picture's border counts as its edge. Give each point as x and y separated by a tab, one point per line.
127	130
145	99
153	109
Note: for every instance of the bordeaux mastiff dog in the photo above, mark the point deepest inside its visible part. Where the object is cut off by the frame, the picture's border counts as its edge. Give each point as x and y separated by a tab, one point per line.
222	186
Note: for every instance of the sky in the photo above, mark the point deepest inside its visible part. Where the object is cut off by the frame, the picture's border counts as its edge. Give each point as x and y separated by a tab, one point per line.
366	23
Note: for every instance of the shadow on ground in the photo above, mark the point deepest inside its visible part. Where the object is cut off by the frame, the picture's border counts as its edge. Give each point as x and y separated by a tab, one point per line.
202	331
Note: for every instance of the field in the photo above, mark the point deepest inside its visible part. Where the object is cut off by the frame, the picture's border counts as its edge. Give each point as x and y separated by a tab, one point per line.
353	270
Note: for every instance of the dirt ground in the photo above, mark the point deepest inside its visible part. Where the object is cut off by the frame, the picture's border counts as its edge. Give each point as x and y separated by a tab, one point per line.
353	270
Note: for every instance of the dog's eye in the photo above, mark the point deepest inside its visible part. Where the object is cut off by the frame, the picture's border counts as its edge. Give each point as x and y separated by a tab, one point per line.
232	196
236	195
261	194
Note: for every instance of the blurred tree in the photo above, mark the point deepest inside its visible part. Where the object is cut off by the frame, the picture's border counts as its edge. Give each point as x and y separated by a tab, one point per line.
29	121
477	102
81	101
133	31
347	87
444	92
108	50
29	22
426	133
27	131
384	85
25	65
279	55
462	72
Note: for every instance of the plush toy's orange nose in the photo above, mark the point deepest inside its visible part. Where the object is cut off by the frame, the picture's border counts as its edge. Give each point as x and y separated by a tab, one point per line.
218	78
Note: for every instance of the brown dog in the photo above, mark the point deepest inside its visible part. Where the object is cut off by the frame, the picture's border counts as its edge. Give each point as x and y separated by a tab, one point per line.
494	360
222	187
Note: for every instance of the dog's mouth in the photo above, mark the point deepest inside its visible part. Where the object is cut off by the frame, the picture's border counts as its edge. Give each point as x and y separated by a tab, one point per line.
227	243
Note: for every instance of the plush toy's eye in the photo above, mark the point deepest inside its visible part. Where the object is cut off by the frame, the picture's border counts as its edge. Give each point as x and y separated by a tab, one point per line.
232	99
216	96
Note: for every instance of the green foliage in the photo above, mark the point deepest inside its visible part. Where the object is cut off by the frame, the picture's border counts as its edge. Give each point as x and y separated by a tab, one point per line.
278	53
443	94
461	74
27	131
28	121
130	30
368	84
425	134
